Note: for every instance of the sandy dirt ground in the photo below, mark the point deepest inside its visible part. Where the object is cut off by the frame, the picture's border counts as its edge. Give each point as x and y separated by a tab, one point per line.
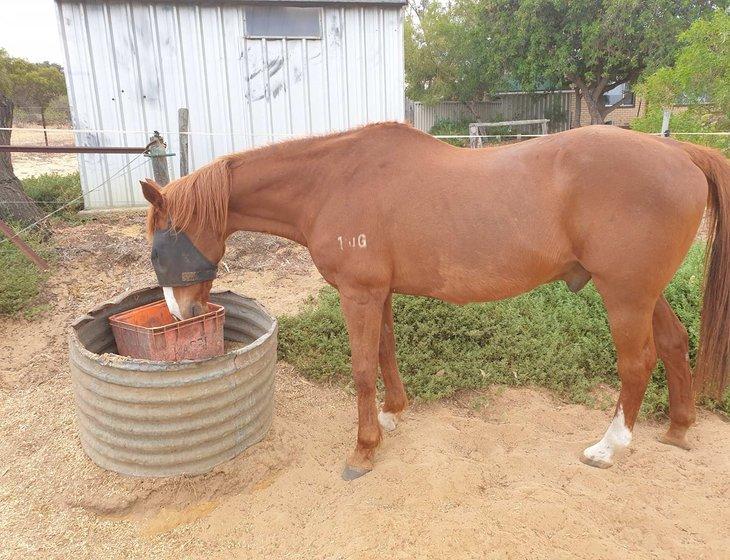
490	474
29	165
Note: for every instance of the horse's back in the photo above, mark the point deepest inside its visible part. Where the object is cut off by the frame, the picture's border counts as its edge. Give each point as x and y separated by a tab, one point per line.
467	225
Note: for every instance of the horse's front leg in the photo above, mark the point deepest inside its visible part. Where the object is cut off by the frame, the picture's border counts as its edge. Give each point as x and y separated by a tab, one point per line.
363	310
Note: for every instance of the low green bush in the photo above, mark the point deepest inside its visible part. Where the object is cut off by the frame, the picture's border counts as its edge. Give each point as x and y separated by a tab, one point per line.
691	119
447	127
549	337
20	280
52	190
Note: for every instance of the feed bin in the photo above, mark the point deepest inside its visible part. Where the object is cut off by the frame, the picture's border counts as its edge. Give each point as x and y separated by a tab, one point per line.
151	332
151	418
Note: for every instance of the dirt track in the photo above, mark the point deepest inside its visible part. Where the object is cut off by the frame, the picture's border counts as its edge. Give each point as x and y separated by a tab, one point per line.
486	475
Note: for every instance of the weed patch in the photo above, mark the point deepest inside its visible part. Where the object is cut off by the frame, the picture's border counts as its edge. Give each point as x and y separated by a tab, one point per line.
20	279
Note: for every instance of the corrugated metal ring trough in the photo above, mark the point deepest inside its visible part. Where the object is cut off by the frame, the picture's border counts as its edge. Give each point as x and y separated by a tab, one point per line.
147	418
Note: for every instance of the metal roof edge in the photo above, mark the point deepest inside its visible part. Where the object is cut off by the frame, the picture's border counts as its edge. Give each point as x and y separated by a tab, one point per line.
394	3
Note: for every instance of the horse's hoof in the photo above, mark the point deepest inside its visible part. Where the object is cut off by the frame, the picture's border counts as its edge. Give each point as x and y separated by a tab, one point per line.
675	440
351	473
594	462
387	421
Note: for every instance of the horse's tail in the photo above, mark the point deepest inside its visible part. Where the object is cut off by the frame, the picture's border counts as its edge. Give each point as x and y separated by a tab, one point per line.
713	360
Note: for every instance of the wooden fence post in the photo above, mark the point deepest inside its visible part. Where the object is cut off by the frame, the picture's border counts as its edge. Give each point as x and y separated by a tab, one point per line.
158	157
665	122
183	116
475	140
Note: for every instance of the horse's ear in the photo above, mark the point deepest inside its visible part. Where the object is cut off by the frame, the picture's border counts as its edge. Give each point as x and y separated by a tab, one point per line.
152	193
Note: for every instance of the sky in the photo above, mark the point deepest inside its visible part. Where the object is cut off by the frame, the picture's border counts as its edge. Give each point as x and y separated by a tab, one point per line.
28	29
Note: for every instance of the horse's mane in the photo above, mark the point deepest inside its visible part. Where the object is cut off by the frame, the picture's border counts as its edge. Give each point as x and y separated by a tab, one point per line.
199	199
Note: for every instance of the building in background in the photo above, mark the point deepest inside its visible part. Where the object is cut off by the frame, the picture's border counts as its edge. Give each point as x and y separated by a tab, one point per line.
249	72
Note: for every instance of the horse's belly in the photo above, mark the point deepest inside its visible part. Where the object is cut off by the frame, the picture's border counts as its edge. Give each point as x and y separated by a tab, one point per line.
468	285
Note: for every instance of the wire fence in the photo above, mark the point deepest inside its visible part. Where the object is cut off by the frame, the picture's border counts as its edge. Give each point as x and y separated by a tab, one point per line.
53	115
63	204
119	171
286	135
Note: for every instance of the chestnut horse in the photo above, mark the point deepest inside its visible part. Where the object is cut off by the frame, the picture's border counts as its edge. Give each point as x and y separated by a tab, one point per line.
387	209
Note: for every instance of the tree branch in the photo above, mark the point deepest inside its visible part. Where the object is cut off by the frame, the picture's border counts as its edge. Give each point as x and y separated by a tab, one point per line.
630	76
633	75
600	88
579	82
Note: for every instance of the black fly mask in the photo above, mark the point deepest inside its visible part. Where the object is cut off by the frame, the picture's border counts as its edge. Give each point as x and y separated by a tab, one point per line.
177	262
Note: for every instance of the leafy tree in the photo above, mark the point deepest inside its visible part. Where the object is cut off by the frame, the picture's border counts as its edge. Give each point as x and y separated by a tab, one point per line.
38	86
599	45
20	79
445	54
700	75
699	79
591	45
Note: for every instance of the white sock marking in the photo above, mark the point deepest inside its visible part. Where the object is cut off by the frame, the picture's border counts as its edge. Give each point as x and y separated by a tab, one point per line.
616	439
387	420
172	305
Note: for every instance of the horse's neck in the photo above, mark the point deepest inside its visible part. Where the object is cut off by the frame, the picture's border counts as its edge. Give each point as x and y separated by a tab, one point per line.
280	189
277	190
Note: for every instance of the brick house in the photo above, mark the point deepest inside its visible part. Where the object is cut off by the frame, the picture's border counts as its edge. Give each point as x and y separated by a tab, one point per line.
631	107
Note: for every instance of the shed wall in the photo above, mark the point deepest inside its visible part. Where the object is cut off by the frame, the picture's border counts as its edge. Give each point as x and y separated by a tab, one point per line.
131	65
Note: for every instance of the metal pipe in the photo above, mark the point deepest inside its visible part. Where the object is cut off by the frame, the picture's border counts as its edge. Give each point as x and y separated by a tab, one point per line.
74	149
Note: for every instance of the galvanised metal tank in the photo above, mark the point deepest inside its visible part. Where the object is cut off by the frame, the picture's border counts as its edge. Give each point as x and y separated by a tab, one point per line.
147	418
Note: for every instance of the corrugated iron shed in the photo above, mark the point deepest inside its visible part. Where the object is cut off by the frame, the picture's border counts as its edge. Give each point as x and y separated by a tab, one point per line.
131	64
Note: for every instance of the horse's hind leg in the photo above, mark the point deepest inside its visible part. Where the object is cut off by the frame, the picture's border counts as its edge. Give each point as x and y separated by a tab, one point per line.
630	319
672	345
395	395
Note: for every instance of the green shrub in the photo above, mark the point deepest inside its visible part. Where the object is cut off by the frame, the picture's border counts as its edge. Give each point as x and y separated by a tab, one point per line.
20	280
51	191
447	127
692	119
549	337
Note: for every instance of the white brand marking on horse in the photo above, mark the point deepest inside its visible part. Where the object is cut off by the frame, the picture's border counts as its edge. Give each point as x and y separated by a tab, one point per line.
617	438
360	241
172	305
387	420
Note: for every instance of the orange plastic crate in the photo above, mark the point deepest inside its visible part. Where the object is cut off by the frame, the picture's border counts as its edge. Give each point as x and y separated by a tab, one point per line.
152	333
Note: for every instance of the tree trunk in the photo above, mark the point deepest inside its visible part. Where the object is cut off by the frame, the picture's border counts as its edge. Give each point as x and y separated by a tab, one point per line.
15	205
578	110
593	96
596	109
472	110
